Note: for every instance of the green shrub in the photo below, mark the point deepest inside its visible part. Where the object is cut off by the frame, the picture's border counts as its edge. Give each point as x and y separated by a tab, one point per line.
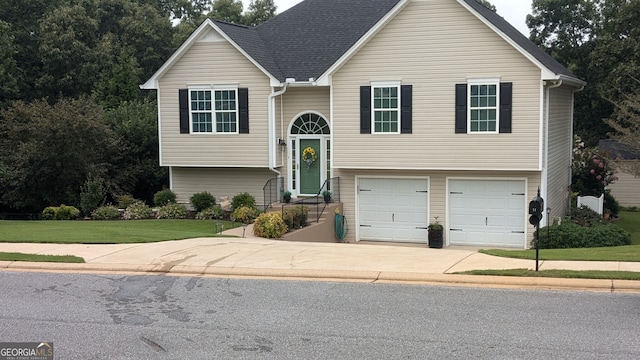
244	199
270	225
125	200
164	197
62	212
295	217
92	195
49	212
172	211
245	214
584	216
214	212
570	235
136	211
201	201
107	212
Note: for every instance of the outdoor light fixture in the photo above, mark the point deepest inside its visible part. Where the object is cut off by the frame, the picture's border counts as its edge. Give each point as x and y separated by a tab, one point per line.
283	144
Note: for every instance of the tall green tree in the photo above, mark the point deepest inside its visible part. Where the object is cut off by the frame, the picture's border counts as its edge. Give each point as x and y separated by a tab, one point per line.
567	30
135	125
227	10
8	67
49	151
259	11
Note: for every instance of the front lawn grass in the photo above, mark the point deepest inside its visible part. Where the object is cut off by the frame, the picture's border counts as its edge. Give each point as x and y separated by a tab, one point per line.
589	274
614	253
630	222
106	232
14	256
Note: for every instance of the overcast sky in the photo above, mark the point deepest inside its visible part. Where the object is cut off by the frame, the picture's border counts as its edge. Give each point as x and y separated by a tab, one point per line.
515	11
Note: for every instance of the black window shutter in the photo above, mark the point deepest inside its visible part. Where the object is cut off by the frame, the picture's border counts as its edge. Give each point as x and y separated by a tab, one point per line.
365	109
506	91
461	108
183	97
406	108
243	110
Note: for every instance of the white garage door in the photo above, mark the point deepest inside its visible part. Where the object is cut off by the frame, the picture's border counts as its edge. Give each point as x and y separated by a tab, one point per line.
393	209
487	213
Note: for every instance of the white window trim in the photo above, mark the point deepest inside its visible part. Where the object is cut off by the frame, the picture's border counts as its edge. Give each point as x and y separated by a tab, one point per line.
484	81
383	84
213	89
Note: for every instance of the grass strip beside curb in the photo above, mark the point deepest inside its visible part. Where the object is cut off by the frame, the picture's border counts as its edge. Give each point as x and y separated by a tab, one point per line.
14	256
566	274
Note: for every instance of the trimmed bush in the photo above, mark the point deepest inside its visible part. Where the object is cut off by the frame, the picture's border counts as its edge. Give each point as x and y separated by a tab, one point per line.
570	235
125	200
584	216
62	212
49	212
214	212
172	211
270	225
245	214
107	212
244	199
295	217
164	197
136	211
201	201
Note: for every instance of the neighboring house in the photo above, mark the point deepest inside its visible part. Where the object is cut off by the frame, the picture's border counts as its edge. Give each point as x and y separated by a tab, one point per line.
417	108
627	189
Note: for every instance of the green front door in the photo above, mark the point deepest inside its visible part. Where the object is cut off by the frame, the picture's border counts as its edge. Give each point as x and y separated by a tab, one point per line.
310	166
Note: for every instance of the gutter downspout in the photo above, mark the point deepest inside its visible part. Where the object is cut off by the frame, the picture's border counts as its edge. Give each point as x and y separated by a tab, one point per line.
272	128
545	168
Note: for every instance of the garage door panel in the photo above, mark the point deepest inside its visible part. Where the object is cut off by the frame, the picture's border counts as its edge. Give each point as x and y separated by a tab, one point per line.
392	209
487	212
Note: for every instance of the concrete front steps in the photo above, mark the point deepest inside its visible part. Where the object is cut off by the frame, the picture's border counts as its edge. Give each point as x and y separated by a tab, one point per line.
321	231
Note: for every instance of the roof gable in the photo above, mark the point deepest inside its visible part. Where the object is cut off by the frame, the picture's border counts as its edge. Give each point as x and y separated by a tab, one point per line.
315	37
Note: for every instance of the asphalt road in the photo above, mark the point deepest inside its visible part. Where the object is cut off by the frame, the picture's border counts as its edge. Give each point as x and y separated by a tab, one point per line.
165	317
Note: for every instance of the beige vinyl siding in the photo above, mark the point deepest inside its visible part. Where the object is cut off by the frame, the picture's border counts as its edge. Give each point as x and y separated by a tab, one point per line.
433	45
219	182
559	157
437	190
208	63
626	190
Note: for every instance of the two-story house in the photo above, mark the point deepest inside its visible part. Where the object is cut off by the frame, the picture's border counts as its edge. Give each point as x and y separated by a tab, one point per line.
419	108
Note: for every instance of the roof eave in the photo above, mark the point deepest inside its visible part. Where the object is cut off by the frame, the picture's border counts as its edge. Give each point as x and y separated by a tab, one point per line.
546	73
152	83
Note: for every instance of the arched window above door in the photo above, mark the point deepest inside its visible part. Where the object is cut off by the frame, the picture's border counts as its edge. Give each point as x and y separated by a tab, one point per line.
310	124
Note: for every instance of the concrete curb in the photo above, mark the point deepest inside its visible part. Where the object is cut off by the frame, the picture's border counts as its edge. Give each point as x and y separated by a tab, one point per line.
338	275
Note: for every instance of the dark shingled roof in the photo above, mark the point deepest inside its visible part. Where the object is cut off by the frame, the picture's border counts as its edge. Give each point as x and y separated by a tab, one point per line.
306	40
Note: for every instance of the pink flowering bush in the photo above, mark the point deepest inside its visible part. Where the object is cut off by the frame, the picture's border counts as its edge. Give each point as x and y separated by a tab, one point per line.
591	172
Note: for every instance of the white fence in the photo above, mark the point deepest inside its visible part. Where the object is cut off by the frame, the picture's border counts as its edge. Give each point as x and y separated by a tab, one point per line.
594	203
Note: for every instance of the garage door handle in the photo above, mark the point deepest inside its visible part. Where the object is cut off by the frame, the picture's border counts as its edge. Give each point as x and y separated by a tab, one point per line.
421	191
517	232
455	192
422	228
365	189
456	230
365	225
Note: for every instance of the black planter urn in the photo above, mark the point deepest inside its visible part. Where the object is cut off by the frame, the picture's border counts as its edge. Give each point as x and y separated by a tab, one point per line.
435	239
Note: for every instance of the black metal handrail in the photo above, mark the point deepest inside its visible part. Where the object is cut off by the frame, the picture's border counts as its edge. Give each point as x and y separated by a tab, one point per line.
317	204
272	192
